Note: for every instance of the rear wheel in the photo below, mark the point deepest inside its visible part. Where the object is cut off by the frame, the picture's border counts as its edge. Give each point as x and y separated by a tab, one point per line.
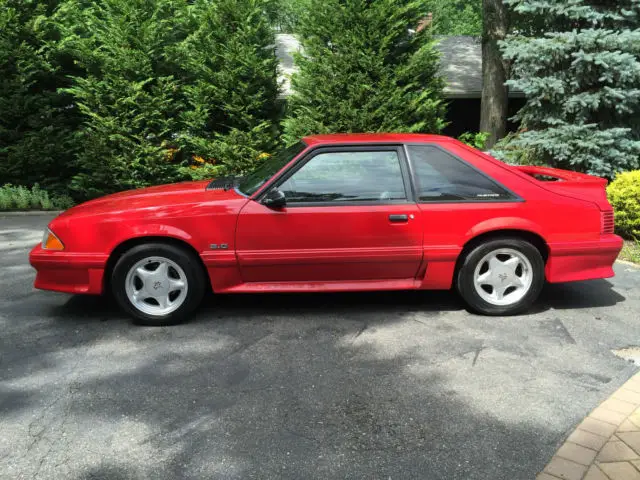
158	284
501	277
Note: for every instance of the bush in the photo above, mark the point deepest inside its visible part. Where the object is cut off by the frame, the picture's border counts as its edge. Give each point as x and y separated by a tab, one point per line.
476	140
230	112
624	195
363	71
163	84
37	121
510	151
23	198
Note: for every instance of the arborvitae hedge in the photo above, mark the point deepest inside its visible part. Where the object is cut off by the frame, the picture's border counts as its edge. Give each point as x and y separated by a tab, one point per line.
365	69
36	121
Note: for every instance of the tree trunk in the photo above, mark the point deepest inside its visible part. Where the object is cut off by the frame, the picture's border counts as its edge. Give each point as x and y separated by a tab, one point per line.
493	112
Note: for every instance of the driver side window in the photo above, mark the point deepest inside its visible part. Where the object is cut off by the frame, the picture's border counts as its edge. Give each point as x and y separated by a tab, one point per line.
348	176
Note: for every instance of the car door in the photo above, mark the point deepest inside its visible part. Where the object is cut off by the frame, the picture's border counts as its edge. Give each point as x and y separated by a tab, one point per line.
349	216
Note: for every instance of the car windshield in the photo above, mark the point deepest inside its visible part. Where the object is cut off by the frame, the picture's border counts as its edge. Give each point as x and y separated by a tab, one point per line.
254	180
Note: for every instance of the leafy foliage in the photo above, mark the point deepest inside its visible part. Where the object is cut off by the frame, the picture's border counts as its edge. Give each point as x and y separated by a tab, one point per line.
126	90
450	17
23	198
477	140
510	151
36	125
285	15
168	89
456	17
363	71
631	251
624	195
229	70
582	82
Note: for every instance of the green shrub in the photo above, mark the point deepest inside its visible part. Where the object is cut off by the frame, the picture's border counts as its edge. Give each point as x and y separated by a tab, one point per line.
229	71
624	195
37	124
477	140
511	151
363	71
23	198
5	199
163	83
631	251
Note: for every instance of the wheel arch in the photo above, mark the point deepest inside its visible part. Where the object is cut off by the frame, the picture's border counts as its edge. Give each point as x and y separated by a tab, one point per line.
130	243
532	237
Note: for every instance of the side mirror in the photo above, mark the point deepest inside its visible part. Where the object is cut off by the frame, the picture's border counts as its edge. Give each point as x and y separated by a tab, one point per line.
274	199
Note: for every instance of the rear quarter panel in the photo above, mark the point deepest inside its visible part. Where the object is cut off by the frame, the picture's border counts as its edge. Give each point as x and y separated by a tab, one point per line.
448	227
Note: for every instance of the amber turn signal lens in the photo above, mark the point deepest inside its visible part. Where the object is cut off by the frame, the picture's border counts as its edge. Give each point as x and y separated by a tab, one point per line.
51	242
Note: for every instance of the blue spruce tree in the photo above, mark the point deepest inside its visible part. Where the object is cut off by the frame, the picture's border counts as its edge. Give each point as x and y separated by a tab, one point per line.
578	63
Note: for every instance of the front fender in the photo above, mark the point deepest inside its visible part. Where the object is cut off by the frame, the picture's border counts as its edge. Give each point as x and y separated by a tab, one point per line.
132	232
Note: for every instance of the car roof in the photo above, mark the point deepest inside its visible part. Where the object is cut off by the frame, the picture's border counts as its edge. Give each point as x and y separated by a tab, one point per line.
341	138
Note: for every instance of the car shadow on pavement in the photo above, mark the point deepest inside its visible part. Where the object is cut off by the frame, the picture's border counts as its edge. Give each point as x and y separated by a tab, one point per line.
578	295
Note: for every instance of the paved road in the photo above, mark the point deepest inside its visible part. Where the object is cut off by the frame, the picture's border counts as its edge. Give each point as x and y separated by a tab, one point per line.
359	386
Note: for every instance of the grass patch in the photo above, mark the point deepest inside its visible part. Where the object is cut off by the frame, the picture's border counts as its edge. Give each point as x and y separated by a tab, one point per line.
34	198
631	251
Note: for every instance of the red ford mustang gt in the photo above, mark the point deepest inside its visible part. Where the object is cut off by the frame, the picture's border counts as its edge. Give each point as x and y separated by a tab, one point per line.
339	213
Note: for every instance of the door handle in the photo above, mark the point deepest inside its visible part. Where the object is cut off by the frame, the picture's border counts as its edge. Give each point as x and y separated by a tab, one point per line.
398	218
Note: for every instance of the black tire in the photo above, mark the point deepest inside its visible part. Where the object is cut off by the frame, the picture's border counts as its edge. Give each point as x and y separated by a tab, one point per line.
186	260
465	278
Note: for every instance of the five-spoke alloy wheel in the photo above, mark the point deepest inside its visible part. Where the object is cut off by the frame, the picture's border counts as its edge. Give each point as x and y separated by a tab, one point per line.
501	277
157	283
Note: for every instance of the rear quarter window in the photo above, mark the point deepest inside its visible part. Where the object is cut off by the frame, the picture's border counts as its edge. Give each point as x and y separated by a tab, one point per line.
442	177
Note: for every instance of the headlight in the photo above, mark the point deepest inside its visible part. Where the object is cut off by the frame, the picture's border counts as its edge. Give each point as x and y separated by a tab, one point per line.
51	242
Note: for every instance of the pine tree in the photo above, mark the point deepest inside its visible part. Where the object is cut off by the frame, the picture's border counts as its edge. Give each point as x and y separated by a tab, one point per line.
229	72
578	63
365	69
36	123
126	91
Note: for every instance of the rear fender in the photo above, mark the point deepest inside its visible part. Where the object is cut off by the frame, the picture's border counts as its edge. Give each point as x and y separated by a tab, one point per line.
503	223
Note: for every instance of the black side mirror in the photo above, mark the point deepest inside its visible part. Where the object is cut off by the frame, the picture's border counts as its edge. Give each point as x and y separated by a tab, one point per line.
274	199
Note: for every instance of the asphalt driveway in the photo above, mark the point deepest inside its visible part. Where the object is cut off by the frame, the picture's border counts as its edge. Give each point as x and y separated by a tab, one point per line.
360	386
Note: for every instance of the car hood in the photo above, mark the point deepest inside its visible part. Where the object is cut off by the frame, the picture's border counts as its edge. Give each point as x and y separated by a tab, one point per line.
151	198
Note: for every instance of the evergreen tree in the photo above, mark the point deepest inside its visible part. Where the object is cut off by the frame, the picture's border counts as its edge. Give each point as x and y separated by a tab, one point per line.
127	91
578	63
229	71
456	17
36	124
365	69
285	14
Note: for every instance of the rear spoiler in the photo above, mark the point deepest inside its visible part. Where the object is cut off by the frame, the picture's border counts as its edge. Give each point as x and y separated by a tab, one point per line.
555	174
568	183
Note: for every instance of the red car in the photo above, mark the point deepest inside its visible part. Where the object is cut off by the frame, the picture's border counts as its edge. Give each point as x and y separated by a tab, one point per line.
339	213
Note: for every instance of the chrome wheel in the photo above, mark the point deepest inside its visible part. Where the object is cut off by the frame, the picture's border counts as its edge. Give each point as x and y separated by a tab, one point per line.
156	286
503	277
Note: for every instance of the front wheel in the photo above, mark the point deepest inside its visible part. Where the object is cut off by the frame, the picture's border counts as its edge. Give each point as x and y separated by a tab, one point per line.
158	284
501	277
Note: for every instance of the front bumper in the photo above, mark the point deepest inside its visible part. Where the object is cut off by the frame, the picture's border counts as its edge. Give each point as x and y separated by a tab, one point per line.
68	272
575	261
